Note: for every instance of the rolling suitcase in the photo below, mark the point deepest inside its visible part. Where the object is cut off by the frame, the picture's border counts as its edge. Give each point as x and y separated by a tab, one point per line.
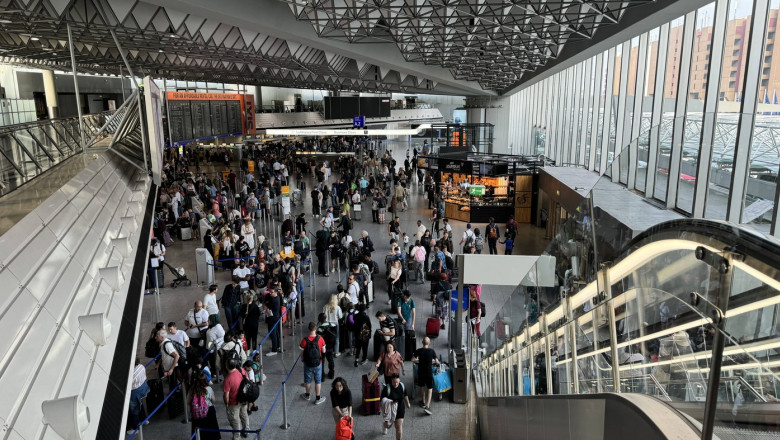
370	396
432	327
176	404
399	339
378	345
155	396
185	233
411	345
370	291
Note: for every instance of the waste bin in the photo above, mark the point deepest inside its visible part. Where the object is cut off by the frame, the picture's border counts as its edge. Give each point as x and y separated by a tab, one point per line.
460	376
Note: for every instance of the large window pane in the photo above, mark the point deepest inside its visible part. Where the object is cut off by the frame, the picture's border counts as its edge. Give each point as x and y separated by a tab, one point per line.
765	147
671	84
733	71
648	91
602	88
697	87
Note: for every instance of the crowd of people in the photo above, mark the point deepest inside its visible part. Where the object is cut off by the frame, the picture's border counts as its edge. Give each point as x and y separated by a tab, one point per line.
220	333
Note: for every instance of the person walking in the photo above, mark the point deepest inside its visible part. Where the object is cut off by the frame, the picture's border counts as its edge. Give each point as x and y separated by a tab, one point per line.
425	358
393	399
492	234
392	361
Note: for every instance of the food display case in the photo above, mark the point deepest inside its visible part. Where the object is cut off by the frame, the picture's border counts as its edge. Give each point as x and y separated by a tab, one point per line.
471	198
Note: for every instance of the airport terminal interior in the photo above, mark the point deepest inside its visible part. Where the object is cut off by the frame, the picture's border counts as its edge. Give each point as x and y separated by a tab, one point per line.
298	219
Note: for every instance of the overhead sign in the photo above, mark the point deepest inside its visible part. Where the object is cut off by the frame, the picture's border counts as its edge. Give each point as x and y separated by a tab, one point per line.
344	131
358	121
193	96
456	166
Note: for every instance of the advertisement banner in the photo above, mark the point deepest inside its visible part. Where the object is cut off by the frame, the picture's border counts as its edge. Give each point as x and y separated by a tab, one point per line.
248	114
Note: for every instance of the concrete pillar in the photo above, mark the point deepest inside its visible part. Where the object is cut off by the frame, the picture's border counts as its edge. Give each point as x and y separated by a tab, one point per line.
258	99
49	89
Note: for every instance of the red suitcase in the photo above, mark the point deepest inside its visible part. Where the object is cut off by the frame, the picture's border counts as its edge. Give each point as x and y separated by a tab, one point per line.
432	327
370	396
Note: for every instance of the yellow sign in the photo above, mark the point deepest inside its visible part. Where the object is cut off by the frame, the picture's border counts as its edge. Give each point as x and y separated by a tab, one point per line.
285	191
251	166
225	175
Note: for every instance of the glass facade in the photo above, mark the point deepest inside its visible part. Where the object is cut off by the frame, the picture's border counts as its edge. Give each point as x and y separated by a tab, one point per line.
692	106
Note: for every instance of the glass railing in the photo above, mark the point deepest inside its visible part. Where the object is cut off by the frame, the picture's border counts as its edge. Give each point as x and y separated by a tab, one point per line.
687	311
30	149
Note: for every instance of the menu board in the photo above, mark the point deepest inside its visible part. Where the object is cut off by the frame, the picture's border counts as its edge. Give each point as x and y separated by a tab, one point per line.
218	118
233	117
201	119
180	120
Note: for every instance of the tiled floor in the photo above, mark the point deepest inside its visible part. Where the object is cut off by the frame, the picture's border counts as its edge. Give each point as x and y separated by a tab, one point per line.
450	421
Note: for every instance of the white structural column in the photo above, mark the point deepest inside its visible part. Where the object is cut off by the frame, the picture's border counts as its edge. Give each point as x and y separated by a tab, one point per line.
620	129
681	104
50	90
709	118
750	86
657	113
587	114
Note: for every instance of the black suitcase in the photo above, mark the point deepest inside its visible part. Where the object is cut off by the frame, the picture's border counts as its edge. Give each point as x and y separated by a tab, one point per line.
155	396
176	404
411	345
400	341
378	344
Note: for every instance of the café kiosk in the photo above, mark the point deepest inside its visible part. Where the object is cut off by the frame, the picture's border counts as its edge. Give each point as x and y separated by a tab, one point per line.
476	187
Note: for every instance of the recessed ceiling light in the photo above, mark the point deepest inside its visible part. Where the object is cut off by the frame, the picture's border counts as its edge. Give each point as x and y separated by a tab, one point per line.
5	21
34	38
161	51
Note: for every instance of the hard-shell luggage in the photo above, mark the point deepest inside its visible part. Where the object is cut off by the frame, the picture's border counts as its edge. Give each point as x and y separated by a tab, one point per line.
185	233
370	291
371	395
432	327
155	396
379	343
411	345
400	341
176	404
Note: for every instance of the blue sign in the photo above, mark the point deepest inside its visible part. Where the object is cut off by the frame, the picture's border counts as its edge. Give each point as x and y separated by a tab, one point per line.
358	121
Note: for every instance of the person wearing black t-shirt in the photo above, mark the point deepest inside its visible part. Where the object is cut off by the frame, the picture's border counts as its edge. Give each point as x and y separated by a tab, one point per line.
386	328
341	398
425	358
393	398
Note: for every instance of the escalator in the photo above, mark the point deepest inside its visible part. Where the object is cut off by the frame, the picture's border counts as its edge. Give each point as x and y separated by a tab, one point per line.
680	329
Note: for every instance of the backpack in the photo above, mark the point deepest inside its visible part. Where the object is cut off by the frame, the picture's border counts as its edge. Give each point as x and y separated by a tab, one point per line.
387	387
482	305
248	391
227	355
351	318
344	429
344	303
181	350
365	332
420	256
312	356
348	222
492	232
199	409
469	239
152	348
511	228
479	241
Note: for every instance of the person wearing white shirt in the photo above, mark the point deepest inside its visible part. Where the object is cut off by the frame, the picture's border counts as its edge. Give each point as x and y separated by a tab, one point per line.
467	235
243	273
277	166
420	229
248	232
214	339
210	303
179	336
353	289
197	322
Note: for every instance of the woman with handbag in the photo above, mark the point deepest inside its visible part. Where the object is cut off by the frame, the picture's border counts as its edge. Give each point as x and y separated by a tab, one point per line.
390	361
394	279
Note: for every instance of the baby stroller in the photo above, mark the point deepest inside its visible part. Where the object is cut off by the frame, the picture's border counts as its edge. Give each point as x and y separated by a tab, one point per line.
181	277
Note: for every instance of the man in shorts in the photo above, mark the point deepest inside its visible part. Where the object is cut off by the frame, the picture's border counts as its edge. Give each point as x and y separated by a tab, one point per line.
425	358
313	347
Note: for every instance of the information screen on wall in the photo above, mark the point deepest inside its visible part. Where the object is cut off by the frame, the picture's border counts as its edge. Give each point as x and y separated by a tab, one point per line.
233	116
201	119
219	125
180	119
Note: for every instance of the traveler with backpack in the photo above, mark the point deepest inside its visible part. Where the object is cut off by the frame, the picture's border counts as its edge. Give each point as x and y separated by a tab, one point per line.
231	349
327	331
236	411
419	256
492	233
362	334
511	228
479	241
468	238
169	355
200	398
393	400
313	347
